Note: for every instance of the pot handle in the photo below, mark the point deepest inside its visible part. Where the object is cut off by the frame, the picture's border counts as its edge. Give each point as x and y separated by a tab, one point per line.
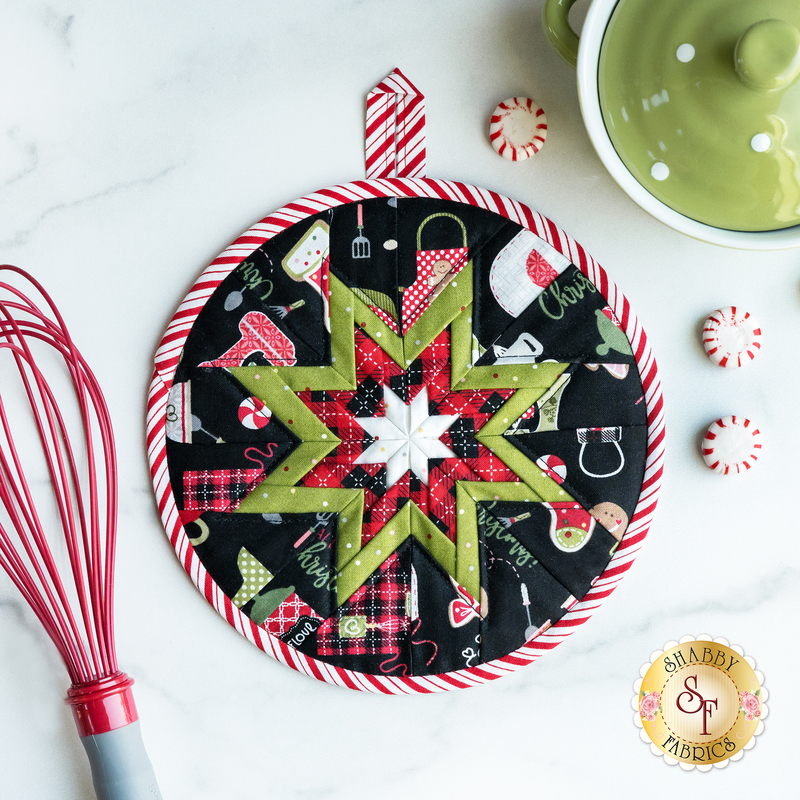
558	30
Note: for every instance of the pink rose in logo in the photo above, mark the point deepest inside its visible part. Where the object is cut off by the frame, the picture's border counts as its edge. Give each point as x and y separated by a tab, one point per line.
648	705
750	704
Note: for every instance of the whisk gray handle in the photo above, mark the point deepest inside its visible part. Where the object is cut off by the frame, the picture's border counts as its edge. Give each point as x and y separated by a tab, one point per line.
121	769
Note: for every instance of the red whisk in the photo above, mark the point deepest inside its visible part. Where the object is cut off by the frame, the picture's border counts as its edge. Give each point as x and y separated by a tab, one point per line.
77	608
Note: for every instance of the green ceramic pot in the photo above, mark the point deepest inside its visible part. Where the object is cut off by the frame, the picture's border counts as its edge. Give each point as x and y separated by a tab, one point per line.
694	108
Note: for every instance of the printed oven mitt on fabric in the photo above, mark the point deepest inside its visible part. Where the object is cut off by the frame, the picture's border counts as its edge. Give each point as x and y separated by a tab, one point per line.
405	434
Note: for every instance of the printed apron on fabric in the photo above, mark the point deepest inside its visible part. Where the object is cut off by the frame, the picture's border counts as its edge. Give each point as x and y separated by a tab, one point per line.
435	269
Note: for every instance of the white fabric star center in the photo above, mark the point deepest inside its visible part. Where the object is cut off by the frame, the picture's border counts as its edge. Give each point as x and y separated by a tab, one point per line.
406	437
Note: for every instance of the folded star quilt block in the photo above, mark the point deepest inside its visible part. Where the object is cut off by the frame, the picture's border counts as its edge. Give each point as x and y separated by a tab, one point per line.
405	435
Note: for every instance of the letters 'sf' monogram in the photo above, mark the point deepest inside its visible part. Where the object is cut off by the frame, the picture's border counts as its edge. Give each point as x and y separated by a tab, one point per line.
704	705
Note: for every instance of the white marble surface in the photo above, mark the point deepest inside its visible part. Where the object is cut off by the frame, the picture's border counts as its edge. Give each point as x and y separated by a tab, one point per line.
138	139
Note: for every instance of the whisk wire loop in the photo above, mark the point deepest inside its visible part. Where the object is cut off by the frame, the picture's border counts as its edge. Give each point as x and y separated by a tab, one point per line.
88	653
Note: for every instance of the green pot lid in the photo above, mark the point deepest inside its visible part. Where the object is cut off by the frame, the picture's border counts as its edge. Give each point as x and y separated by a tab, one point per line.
702	103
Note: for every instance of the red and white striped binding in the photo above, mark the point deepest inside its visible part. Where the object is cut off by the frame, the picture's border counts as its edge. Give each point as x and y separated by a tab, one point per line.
395	145
167	360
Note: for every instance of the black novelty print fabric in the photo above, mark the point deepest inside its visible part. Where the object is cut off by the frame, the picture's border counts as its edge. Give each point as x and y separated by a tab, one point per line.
406	436
597	424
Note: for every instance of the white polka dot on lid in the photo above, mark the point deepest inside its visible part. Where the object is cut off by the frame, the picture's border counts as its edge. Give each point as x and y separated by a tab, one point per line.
761	142
659	171
685	53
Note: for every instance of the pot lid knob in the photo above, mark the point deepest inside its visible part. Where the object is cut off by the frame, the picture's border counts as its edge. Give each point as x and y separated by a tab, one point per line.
767	55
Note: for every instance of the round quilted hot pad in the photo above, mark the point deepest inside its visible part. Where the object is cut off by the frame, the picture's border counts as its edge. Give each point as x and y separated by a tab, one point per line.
405	435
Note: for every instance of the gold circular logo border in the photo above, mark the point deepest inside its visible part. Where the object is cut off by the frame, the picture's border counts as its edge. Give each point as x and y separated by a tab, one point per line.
701	666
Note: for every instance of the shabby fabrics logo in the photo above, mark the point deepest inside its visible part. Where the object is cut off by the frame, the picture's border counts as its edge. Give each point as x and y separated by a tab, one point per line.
700	703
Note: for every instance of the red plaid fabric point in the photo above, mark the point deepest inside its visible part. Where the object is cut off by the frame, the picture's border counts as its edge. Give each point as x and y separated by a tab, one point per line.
218	489
375	620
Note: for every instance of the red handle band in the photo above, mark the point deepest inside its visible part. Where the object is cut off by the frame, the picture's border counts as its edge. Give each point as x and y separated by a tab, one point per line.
103	705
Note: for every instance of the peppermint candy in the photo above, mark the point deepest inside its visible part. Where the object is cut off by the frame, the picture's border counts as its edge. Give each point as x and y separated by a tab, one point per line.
518	128
553	467
253	414
731	445
731	337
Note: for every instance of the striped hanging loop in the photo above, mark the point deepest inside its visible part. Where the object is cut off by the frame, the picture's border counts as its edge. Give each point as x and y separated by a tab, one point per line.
395	142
